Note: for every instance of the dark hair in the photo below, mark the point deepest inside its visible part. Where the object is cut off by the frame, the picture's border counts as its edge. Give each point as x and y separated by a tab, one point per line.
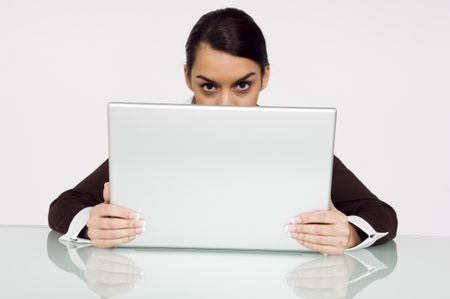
230	30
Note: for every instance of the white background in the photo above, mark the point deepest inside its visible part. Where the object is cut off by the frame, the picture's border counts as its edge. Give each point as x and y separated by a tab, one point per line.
385	65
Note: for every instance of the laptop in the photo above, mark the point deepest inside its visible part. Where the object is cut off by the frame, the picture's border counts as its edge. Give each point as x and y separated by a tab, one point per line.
219	177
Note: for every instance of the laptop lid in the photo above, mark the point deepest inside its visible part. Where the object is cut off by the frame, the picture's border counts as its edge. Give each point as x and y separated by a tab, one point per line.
219	176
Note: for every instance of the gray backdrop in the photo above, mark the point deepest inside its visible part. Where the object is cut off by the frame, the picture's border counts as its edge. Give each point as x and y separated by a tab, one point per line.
385	65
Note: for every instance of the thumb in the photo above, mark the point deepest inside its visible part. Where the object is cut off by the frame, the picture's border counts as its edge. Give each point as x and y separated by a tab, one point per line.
106	192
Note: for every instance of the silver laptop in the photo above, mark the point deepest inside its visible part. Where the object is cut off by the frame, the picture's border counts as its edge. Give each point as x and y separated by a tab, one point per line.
219	177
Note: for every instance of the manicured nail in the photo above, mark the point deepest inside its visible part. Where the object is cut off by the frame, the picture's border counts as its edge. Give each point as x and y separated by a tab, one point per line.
290	228
296	219
292	235
140	230
140	223
134	215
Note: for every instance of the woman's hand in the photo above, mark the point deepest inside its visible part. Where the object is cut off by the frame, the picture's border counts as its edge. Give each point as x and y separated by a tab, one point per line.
324	231
110	225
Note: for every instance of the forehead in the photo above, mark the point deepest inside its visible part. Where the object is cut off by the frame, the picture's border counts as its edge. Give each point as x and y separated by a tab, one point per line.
221	66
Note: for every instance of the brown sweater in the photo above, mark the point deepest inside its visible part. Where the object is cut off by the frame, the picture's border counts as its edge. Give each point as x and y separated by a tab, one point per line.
348	193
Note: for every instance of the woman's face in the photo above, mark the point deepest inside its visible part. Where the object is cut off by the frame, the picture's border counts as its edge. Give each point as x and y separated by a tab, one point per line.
218	78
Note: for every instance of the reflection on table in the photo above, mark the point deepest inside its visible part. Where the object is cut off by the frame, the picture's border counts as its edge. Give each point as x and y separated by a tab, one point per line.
232	274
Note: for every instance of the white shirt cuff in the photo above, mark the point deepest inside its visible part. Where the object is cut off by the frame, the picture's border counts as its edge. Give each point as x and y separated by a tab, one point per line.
78	223
363	225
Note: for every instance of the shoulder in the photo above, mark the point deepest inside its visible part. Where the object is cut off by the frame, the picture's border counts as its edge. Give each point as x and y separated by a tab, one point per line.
337	164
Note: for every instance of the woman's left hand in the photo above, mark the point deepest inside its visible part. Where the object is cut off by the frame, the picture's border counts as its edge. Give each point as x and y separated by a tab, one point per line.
327	232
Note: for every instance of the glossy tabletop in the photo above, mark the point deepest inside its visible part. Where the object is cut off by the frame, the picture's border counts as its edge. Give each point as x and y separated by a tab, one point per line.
34	264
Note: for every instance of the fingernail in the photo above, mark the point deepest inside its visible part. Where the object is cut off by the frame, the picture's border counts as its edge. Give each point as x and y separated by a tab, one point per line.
296	219
140	223
106	184
140	230
134	215
290	228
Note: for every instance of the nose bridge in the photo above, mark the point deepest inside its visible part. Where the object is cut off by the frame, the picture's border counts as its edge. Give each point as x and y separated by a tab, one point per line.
226	97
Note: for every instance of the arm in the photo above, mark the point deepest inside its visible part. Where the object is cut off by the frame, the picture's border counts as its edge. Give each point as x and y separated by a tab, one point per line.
87	193
351	197
85	211
353	209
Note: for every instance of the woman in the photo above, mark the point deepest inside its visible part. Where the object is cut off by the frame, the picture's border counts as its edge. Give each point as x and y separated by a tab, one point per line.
227	64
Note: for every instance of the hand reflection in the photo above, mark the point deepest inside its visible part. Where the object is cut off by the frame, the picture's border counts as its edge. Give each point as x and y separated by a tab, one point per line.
110	274
326	277
342	276
105	271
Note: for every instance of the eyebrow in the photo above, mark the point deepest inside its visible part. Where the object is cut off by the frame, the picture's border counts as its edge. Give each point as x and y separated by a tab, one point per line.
238	80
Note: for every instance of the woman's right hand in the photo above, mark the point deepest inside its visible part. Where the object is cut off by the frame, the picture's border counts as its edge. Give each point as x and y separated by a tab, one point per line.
110	225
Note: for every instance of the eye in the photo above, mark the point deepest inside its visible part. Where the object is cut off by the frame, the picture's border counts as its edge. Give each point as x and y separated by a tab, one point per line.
209	87
242	86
